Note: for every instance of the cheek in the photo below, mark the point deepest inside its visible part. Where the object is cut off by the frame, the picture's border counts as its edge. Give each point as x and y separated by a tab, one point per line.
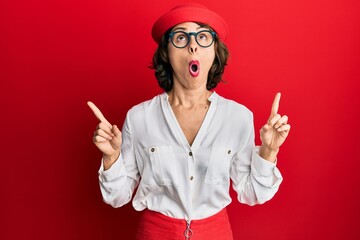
173	58
178	61
209	57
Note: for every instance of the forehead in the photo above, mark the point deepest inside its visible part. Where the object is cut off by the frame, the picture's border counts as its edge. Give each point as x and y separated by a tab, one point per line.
189	26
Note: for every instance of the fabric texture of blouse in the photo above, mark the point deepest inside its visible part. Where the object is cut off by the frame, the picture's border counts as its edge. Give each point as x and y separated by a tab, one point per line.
183	181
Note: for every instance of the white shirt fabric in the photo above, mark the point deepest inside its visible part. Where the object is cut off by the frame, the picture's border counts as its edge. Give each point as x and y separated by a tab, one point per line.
183	181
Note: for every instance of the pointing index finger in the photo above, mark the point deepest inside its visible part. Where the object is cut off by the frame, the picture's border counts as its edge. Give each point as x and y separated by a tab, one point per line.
97	113
275	105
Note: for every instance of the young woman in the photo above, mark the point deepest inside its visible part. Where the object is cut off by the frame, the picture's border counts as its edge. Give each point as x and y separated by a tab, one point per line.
180	149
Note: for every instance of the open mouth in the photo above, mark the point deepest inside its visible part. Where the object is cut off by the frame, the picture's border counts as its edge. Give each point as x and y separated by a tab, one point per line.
194	68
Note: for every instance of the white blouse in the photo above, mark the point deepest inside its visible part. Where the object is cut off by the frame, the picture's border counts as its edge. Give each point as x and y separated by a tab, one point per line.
183	181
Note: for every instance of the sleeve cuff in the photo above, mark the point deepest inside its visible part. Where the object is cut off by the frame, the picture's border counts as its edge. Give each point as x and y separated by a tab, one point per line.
262	166
114	171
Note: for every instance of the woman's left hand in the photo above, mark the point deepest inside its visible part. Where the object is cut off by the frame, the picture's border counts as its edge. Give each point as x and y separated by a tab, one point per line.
274	132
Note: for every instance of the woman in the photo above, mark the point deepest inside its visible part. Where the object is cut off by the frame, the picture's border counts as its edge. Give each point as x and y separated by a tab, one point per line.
181	148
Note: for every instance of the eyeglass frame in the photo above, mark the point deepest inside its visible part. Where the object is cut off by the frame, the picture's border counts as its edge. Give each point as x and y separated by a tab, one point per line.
195	34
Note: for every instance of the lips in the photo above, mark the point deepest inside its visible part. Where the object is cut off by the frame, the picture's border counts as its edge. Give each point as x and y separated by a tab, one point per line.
194	68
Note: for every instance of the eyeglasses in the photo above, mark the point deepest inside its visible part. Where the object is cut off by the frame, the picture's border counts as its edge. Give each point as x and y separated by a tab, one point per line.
181	39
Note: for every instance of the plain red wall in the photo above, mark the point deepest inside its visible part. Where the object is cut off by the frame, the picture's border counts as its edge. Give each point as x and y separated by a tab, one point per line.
56	55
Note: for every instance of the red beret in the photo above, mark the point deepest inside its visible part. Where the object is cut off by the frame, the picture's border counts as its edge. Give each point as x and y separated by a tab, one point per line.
189	12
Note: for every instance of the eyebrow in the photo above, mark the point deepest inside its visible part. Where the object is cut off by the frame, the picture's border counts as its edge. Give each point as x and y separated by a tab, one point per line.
178	28
183	29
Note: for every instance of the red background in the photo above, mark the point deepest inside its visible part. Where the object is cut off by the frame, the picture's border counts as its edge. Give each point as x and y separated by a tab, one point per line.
56	55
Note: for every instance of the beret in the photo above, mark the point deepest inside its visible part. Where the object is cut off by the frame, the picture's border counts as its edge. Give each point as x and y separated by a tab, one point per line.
189	12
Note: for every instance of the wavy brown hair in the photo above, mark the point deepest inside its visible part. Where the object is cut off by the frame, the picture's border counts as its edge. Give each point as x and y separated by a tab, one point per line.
163	69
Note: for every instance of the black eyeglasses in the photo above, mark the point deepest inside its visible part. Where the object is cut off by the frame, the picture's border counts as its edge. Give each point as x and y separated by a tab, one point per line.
204	38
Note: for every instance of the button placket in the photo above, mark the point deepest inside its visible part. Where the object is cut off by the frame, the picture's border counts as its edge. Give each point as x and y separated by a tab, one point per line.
191	164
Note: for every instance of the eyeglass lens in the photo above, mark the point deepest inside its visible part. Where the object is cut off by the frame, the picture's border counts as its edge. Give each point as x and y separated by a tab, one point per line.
181	39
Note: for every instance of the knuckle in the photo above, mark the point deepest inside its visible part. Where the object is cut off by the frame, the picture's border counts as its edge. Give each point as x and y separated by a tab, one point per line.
97	138
97	132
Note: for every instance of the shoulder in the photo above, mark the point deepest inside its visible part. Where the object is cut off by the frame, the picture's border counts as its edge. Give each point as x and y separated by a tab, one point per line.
236	120
233	109
143	108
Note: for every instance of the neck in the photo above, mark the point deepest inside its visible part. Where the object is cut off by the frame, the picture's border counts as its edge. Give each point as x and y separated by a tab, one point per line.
188	98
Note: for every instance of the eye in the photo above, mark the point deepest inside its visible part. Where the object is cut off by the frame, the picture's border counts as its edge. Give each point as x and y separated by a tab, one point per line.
203	36
180	37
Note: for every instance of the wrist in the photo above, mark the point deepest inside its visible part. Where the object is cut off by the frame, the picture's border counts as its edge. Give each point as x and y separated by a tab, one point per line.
109	160
268	154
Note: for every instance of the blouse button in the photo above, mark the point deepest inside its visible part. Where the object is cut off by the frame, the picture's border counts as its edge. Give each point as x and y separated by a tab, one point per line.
191	178
190	154
229	151
152	149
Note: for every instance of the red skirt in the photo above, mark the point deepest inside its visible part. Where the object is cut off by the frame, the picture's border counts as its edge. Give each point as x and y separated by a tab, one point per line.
156	226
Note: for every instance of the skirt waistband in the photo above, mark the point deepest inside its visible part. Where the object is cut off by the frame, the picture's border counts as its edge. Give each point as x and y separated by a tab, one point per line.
154	225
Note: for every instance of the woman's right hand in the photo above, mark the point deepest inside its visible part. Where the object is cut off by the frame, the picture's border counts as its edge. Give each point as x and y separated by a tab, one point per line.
107	138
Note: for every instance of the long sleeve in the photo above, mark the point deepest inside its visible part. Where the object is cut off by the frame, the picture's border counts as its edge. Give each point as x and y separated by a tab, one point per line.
117	184
255	179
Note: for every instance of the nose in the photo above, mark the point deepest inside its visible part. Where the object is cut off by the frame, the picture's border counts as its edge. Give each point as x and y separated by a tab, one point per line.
193	46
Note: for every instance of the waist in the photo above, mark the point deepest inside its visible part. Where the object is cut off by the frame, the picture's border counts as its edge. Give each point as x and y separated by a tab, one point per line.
220	216
156	224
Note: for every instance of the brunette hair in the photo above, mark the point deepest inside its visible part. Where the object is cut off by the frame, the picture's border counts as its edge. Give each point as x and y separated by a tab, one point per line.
163	69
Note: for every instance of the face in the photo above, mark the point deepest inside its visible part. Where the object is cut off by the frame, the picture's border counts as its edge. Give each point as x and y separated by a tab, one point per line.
191	64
